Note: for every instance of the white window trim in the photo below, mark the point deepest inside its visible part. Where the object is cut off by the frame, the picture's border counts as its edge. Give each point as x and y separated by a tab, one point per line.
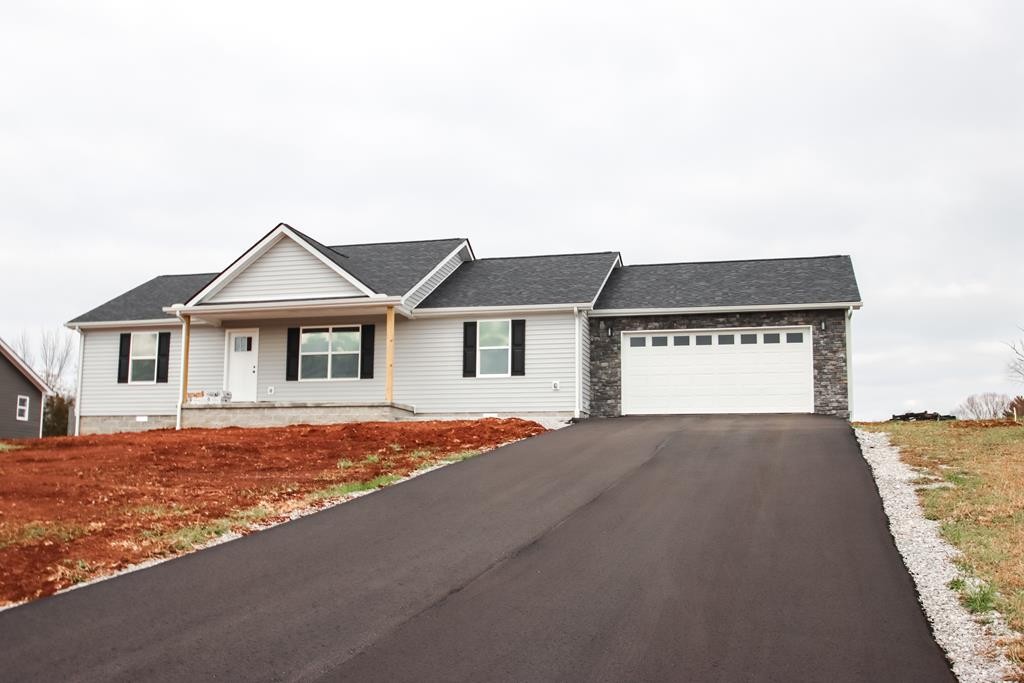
27	407
155	358
479	348
330	353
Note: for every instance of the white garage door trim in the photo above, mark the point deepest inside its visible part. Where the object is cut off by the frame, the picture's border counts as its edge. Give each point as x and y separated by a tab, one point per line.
717	378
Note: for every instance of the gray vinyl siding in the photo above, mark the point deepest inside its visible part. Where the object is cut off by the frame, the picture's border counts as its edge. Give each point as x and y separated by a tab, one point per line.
286	271
102	395
584	363
205	359
12	385
273	356
433	281
428	368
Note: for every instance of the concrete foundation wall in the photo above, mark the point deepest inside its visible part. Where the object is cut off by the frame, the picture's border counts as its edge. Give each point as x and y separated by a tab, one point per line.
109	424
280	416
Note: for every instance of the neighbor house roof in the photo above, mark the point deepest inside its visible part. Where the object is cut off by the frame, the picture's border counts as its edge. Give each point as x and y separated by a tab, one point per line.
146	302
24	368
524	281
765	282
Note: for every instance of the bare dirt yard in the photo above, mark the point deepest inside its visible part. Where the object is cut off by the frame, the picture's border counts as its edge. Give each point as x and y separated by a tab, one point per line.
972	483
77	508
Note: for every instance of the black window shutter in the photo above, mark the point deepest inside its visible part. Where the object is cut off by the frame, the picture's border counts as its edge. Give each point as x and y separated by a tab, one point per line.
366	353
291	368
163	354
518	347
469	349
122	357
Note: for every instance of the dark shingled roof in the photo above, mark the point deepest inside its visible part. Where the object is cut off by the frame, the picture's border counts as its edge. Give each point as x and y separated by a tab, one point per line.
824	279
524	281
393	268
146	301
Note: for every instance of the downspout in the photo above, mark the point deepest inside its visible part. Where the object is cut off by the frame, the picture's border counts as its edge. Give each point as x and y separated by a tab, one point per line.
578	361
849	364
78	385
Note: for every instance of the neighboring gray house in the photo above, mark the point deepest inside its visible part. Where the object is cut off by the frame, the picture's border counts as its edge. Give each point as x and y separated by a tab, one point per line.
295	331
22	397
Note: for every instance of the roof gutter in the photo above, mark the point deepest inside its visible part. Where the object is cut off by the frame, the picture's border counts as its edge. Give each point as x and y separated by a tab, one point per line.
118	324
368	302
476	310
610	312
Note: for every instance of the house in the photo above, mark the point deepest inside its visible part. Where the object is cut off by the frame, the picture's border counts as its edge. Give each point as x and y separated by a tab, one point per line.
22	397
296	331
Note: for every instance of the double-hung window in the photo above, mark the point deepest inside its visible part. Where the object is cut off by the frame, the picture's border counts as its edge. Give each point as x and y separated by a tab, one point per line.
329	353
142	368
494	348
21	414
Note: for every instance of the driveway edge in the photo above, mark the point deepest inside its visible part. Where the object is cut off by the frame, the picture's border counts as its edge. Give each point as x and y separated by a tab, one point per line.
929	559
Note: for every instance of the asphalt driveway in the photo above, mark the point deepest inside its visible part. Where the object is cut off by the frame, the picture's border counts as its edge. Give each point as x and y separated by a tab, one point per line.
674	548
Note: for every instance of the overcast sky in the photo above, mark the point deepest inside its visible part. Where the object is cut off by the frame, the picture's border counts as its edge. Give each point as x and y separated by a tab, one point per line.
135	142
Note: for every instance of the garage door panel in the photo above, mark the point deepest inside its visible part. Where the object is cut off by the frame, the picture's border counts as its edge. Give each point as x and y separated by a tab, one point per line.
718	378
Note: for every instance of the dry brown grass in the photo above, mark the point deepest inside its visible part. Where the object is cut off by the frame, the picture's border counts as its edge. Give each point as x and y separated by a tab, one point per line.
982	512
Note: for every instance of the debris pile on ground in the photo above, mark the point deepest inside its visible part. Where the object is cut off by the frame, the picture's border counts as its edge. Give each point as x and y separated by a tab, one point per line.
917	417
72	508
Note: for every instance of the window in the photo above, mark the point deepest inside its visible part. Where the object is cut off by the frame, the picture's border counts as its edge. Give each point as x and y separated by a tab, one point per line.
681	341
794	337
328	353
659	341
142	358
21	414
494	346
726	339
638	341
748	339
703	340
771	337
243	344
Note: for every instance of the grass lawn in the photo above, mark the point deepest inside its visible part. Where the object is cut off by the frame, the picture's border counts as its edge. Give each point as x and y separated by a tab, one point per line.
972	483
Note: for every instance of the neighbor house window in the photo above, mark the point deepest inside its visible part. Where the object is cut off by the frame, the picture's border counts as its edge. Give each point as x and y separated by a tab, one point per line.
494	346
329	353
142	368
22	412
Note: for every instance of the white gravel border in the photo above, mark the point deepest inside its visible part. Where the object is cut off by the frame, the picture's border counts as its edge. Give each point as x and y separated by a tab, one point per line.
971	646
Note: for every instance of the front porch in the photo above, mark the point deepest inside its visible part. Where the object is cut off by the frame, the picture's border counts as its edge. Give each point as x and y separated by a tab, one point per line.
282	413
287	364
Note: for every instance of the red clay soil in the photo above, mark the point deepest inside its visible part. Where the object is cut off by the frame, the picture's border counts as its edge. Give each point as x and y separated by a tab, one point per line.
72	508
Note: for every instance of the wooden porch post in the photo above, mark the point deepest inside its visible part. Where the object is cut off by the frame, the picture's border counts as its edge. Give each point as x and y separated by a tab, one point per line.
389	373
186	343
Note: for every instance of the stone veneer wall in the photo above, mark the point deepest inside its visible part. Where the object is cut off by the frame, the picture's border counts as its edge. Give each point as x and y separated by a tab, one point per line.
830	375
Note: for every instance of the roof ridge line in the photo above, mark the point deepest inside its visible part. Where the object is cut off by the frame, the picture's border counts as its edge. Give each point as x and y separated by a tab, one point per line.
574	253
374	244
739	260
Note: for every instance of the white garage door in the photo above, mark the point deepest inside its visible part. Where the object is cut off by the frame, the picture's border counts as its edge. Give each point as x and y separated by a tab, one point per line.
764	370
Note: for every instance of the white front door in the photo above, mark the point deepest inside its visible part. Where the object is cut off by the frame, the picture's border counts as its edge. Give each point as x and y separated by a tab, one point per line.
761	370
243	350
